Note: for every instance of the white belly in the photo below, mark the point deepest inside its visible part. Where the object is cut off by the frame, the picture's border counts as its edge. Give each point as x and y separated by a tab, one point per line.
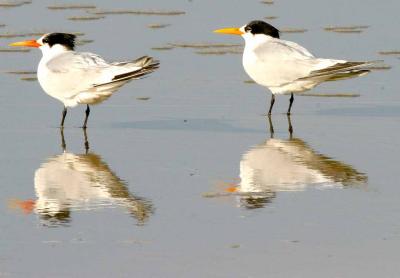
280	76
51	85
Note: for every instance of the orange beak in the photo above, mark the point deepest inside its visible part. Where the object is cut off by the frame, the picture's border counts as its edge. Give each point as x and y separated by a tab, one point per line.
30	43
229	31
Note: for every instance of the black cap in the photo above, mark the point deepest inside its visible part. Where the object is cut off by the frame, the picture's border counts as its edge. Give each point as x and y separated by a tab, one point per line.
261	27
66	40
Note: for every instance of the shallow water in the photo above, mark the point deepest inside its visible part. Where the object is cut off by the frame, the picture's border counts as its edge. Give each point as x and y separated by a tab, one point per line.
154	195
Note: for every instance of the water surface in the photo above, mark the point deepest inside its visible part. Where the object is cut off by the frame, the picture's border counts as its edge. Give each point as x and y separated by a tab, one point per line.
136	203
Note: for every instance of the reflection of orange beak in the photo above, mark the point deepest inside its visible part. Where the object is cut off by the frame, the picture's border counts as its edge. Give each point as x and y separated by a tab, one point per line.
228	186
26	206
30	43
229	31
231	189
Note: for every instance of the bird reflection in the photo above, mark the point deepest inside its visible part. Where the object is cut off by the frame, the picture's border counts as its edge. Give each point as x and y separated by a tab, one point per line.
288	165
69	182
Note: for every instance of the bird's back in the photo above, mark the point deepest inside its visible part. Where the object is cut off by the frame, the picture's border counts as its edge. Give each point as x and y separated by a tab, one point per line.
276	63
79	77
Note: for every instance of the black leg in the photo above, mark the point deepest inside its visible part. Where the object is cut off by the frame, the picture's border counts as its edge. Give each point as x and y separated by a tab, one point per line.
87	112
290	103
271	127
272	104
63	145
290	126
64	113
86	141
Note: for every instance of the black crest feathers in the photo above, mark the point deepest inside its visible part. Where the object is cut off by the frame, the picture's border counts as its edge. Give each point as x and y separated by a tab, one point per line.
261	27
67	40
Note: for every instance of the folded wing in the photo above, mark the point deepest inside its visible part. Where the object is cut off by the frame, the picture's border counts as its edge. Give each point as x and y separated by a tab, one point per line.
86	78
340	70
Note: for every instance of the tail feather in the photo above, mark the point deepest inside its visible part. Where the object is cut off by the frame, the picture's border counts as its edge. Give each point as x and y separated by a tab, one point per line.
145	64
341	69
145	69
347	75
144	61
126	71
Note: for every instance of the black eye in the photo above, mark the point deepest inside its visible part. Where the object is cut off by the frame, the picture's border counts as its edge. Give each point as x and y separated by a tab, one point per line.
247	29
46	40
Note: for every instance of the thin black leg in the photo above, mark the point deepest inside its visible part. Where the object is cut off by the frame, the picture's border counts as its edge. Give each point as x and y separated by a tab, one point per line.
86	141
64	113
63	145
271	127
290	126
290	103
272	104
87	112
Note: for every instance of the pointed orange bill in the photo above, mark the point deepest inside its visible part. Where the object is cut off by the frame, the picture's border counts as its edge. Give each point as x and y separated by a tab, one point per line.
229	31
30	43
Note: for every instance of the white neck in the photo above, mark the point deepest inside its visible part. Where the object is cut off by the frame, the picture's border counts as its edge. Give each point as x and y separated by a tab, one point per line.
50	52
253	41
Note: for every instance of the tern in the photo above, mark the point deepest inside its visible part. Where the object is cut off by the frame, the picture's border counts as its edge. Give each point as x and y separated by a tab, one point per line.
82	77
287	67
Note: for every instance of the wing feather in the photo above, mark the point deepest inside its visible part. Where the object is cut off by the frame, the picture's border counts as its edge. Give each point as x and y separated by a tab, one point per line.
341	70
87	78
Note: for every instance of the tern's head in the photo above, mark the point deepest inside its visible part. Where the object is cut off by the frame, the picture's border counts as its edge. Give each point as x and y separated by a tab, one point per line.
253	29
59	41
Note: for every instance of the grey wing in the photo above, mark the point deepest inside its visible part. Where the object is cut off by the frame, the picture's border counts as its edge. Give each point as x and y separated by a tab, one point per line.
75	61
283	62
87	79
285	50
73	72
296	48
